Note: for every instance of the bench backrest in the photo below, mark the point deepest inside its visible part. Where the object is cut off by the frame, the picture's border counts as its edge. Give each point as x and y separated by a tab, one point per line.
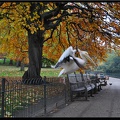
87	78
75	81
72	78
79	77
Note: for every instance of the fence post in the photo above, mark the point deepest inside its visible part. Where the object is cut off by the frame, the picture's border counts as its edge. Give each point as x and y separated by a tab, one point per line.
44	94
65	90
3	93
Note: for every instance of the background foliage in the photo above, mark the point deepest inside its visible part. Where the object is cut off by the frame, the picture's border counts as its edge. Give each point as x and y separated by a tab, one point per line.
112	64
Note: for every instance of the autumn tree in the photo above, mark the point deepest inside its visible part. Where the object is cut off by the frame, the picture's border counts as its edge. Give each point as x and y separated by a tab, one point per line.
94	33
91	26
13	42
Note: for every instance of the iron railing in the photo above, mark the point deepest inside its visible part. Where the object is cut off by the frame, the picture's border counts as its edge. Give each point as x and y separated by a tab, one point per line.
26	100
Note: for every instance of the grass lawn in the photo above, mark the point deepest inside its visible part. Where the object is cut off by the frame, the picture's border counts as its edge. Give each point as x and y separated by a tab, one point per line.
13	71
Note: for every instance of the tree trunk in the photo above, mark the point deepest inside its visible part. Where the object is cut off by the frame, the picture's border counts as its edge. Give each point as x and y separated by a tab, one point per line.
11	62
35	42
22	66
4	60
18	63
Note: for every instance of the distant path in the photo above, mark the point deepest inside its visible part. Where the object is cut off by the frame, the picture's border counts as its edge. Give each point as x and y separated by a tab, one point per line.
104	104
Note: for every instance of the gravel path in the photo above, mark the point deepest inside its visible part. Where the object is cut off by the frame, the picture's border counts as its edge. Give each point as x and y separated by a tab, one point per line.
104	104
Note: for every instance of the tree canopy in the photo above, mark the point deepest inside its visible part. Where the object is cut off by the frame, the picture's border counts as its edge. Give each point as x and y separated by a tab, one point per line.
50	27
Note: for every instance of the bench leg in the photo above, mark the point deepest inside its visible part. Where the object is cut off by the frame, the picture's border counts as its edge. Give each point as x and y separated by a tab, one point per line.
100	87
95	90
71	96
91	93
105	82
86	95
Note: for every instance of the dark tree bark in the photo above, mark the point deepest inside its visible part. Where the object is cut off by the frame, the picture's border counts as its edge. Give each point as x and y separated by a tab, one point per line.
18	63
4	60
22	67
11	62
35	42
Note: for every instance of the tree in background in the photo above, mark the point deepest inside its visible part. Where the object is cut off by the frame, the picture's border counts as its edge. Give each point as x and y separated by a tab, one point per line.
53	26
112	64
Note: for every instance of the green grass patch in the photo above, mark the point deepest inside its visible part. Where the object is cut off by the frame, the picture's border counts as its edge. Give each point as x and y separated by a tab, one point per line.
13	71
7	61
50	72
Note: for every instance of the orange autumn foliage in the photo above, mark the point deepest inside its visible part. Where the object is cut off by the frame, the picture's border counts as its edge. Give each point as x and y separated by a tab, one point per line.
84	29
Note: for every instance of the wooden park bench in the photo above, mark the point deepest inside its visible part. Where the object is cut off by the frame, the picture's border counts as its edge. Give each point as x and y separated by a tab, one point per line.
89	82
78	86
103	79
96	82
